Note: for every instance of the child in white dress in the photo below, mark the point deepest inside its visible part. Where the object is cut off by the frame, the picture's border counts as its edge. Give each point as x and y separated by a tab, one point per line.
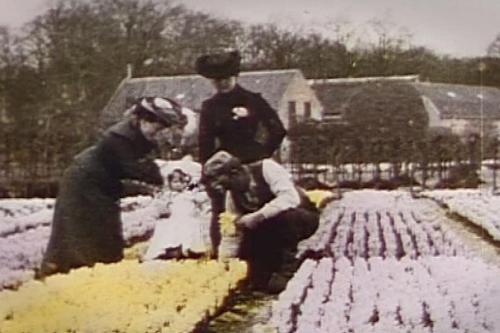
183	228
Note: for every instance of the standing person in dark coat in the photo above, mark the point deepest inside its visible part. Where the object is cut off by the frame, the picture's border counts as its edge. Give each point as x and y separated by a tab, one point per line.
233	120
86	227
230	119
272	213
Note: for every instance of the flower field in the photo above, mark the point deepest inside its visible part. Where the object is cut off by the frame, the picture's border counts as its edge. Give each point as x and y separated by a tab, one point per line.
482	209
390	295
369	224
18	215
381	261
385	262
157	296
25	231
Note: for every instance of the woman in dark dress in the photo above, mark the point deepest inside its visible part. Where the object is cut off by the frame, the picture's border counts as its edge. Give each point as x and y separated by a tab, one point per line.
86	227
234	119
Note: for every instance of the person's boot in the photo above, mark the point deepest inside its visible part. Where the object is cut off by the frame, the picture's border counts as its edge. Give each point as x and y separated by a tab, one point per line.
258	276
279	279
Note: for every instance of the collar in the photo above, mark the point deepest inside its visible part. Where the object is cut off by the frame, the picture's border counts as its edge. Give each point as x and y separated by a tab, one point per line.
127	129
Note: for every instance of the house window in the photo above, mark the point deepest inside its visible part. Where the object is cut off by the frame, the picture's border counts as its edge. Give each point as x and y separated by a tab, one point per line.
292	113
307	110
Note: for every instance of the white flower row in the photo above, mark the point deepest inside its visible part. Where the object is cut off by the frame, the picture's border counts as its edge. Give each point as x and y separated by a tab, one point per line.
23	251
398	226
428	294
23	239
21	223
22	207
479	207
22	214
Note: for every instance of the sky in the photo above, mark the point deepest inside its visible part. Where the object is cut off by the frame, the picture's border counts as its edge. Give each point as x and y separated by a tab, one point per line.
455	27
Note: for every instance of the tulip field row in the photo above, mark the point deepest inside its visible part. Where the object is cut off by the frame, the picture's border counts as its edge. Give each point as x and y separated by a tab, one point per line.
400	227
385	262
380	261
18	215
26	233
431	294
482	209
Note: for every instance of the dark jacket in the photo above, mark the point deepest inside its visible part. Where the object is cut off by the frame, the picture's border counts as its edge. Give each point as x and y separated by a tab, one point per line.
250	138
86	226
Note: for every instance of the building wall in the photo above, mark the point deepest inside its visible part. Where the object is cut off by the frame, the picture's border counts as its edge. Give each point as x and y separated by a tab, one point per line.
457	126
432	112
463	127
299	92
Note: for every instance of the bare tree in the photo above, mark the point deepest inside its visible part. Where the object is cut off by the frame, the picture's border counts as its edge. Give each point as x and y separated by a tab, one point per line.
494	47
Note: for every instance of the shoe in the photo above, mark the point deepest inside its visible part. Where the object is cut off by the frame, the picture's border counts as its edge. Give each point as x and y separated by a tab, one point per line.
279	279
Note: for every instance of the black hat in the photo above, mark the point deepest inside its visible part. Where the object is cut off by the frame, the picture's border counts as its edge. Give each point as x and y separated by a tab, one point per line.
219	65
165	110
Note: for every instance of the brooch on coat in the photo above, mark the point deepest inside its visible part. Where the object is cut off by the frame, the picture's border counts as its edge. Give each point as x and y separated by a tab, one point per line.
240	112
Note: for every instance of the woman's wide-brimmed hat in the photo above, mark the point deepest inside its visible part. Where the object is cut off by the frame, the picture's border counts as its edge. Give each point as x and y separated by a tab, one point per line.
219	65
165	110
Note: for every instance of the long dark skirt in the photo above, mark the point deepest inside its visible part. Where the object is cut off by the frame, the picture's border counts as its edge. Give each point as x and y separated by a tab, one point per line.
86	228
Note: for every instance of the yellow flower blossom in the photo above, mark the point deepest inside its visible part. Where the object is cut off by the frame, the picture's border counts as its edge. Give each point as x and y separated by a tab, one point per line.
319	196
226	222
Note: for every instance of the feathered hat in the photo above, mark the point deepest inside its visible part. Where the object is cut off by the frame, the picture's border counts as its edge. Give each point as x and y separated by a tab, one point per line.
166	110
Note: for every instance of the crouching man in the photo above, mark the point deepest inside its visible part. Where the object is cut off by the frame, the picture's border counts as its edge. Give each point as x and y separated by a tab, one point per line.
273	215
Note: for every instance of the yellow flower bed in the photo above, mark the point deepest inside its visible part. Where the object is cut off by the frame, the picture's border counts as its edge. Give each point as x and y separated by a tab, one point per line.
157	296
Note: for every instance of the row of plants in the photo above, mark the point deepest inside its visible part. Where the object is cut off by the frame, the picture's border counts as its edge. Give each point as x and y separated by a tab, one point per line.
415	276
158	296
25	233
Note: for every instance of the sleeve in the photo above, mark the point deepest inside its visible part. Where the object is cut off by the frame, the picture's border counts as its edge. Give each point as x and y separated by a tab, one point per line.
271	121
230	207
124	157
281	184
206	134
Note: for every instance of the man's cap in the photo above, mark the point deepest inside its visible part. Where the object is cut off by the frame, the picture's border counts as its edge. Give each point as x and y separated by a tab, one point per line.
220	163
219	65
166	110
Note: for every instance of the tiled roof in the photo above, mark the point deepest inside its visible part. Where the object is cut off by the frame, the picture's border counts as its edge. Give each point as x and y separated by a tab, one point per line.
462	101
192	90
335	97
335	94
452	100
